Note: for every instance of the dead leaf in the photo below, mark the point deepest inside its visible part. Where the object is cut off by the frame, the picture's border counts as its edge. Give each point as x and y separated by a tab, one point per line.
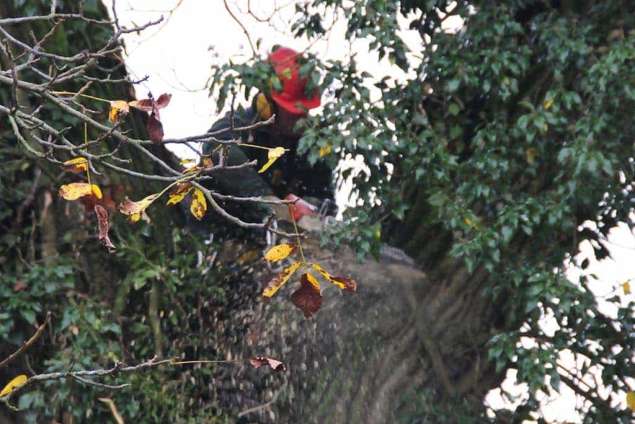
154	128
74	191
19	286
199	204
117	108
307	297
300	207
135	209
343	283
150	104
76	165
274	364
279	280
279	252
272	156
178	194
14	384
104	227
626	286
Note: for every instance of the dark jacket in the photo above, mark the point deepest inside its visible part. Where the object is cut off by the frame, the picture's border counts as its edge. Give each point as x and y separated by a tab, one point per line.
291	173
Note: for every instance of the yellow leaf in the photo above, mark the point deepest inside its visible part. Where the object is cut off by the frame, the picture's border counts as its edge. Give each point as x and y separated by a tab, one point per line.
311	279
272	156
630	400
263	107
199	204
179	194
279	252
117	108
325	150
626	286
14	384
343	283
74	191
547	103
78	164
134	209
280	279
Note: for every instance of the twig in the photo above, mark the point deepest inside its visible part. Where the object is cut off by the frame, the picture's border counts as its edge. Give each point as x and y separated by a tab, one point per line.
38	333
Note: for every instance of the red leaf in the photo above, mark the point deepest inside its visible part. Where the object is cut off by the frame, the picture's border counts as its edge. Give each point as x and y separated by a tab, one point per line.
349	283
300	207
104	226
307	297
19	286
274	364
163	100
155	129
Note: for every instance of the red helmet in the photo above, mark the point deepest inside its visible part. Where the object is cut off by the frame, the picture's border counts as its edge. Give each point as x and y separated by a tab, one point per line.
292	97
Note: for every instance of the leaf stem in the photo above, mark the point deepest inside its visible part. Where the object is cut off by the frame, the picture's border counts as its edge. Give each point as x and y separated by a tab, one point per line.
70	93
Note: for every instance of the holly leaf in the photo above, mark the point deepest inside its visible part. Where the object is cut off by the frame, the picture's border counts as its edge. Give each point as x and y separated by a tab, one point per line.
272	155
279	252
179	193
117	108
274	364
76	165
135	209
14	384
347	284
279	280
199	204
74	191
104	227
307	298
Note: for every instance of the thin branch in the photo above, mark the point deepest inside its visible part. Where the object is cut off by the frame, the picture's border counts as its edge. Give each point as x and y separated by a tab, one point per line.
34	338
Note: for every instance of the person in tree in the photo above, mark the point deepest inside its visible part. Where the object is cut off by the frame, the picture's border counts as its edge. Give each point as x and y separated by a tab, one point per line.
291	177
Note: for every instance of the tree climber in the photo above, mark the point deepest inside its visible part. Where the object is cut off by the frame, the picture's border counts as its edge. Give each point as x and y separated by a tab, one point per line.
291	176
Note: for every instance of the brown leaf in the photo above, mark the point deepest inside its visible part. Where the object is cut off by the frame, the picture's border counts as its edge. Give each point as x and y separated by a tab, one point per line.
104	226
150	104
154	128
19	286
274	364
279	280
163	100
307	297
135	209
346	284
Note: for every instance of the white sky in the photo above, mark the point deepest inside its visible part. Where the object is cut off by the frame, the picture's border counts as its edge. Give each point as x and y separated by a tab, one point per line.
178	54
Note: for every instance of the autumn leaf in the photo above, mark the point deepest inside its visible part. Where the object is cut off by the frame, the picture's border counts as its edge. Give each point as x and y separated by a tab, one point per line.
150	104
74	191
343	283
548	103
279	252
272	156
14	384
154	128
199	204
307	298
76	165
630	400
104	227
117	108
299	207
274	364
279	280
135	209
325	150
263	107
626	286
179	193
